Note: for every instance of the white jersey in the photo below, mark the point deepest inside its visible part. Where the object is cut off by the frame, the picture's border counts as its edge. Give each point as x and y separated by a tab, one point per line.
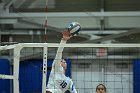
58	82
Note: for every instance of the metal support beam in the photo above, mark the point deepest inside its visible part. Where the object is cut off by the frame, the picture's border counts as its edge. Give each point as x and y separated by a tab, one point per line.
96	32
91	32
110	37
24	32
72	14
26	3
7	6
18	3
8	21
40	25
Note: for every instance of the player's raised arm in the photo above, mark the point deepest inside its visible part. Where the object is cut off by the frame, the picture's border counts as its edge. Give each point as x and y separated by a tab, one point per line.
58	57
73	30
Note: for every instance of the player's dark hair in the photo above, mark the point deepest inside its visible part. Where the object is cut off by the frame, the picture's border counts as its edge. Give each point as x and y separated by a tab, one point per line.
101	85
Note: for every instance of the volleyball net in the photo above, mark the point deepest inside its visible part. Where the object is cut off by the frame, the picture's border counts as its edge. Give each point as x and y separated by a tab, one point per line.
28	66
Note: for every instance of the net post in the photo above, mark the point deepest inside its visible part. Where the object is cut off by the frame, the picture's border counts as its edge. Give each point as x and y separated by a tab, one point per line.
45	49
16	63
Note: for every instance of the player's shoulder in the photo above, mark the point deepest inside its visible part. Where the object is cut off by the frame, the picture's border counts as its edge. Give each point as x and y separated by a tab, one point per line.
69	79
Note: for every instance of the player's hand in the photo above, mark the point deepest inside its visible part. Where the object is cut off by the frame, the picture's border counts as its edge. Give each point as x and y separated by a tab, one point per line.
66	35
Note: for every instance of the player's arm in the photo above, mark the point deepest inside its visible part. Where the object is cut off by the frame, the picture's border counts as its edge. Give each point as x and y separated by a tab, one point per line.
58	57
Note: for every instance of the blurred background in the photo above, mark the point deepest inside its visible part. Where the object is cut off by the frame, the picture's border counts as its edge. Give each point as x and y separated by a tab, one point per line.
102	22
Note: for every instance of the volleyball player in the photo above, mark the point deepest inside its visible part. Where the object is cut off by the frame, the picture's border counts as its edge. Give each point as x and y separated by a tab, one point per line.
58	82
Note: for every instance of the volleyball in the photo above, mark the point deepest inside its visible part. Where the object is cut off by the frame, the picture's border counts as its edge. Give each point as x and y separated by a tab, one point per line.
74	28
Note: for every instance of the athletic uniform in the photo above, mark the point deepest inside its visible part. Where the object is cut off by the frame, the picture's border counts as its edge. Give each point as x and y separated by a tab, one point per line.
58	82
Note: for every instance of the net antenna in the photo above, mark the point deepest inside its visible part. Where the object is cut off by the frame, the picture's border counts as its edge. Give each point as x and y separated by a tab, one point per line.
45	54
46	10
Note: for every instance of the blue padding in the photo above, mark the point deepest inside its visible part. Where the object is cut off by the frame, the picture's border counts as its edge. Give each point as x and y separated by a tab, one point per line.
68	71
30	75
4	69
136	76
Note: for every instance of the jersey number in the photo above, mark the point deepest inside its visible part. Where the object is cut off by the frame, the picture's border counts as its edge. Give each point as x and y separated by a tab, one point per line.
63	84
